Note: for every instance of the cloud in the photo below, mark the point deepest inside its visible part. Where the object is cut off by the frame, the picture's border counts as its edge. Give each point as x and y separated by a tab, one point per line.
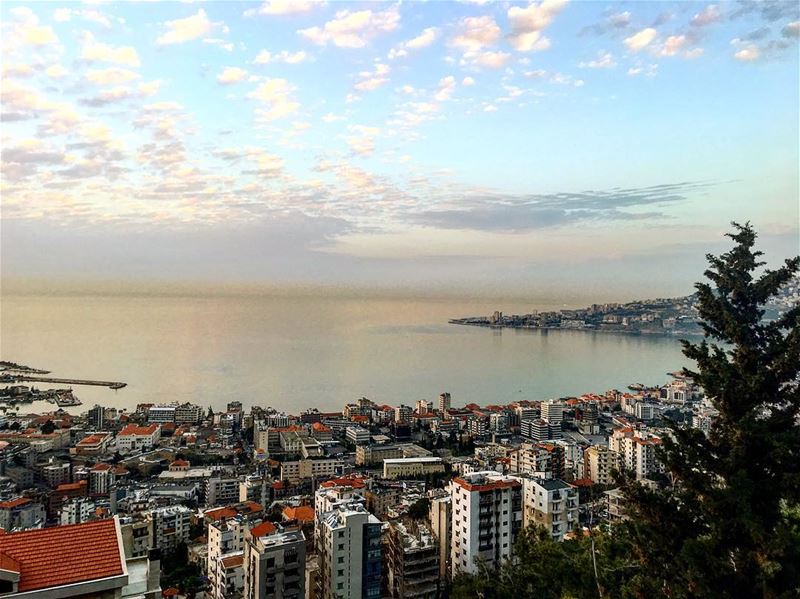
650	70
748	53
191	28
791	29
56	71
447	86
604	60
423	40
489	59
27	30
363	140
122	93
528	23
231	75
353	29
491	211
275	96
63	15
111	76
640	39
672	45
372	80
284	56
476	33
614	22
710	14
94	51
284	7
468	81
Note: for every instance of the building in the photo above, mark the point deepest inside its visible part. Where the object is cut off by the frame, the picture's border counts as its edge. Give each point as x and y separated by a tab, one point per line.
478	426
444	404
552	411
44	564
134	437
412	561
599	463
366	455
536	430
96	417
637	450
545	460
643	411
169	526
188	413
357	435
615	504
300	470
440	516
423	406
274	564
92	445
404	467
136	537
56	473
21	513
402	413
550	503
348	542
486	518
225	556
221	490
75	511
161	414
101	478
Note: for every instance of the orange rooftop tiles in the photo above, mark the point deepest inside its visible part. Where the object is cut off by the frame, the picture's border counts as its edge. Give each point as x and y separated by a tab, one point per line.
263	529
48	557
132	429
303	513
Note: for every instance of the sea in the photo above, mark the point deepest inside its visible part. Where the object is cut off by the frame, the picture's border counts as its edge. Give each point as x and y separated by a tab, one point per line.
297	348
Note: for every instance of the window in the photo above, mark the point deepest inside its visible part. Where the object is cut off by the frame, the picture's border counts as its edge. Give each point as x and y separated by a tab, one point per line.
341	559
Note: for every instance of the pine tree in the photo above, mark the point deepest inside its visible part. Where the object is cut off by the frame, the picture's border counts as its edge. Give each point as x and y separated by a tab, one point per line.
730	526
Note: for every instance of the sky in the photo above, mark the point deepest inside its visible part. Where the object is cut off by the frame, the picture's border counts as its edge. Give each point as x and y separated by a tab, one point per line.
462	145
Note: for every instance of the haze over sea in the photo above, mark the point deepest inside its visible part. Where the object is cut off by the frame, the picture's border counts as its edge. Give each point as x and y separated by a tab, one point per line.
295	348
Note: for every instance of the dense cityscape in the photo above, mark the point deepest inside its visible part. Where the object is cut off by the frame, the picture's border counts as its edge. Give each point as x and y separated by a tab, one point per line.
371	501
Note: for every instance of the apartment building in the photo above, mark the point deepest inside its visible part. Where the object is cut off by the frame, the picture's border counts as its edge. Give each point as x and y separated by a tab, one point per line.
21	513
444	403
440	515
403	467
486	518
161	414
349	549
366	455
221	490
402	413
599	463
274	564
299	470
552	412
412	561
550	503
169	526
225	555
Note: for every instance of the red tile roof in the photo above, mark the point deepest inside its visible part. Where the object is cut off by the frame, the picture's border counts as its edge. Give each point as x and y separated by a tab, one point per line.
234	561
48	558
263	529
132	429
11	504
93	439
303	513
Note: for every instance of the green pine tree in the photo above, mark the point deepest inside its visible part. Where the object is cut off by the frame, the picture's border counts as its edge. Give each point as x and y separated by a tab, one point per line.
730	526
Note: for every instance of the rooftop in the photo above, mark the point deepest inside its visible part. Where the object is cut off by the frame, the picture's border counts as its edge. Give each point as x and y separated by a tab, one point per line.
48	558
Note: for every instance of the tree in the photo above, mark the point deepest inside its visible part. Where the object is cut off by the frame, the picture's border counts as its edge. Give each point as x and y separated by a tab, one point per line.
419	509
48	427
729	526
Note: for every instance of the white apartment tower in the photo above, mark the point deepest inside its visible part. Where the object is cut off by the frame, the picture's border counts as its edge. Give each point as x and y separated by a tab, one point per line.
486	517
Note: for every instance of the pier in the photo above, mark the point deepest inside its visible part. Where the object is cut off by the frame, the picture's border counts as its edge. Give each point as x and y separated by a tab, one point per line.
46	379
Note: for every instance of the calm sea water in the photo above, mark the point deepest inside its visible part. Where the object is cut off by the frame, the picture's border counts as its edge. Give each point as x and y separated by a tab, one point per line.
297	351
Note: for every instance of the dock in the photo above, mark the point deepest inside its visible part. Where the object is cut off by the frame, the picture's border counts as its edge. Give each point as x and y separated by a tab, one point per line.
46	379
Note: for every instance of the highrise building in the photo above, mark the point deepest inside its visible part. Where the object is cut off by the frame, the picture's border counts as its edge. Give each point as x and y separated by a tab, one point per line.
553	413
274	564
412	561
97	417
349	550
599	462
486	518
550	503
444	403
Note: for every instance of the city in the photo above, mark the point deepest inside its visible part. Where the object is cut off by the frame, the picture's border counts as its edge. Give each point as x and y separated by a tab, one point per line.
371	501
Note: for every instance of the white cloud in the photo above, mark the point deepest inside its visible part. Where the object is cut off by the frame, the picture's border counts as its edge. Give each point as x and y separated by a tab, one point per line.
447	86
640	39
353	29
363	142
372	80
284	7
424	39
749	53
604	60
528	23
476	33
710	14
56	71
283	56
673	45
17	70
98	52
231	75
490	108
468	81
111	76
190	28
489	59
275	95
332	118
647	70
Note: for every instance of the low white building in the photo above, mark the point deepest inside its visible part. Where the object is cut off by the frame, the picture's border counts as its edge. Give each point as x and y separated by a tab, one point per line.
134	437
402	467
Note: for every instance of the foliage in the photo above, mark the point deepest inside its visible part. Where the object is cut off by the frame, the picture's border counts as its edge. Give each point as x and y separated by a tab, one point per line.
729	528
419	509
